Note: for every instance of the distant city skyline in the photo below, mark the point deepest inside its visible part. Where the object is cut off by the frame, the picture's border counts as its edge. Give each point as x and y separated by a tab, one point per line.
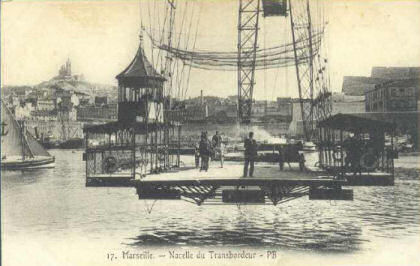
101	38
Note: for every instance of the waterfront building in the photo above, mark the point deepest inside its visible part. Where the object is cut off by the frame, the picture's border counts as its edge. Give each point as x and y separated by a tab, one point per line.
394	96
67	114
13	100
46	104
347	104
44	115
258	109
21	91
284	106
359	85
226	113
24	111
196	113
397	101
395	72
82	95
97	113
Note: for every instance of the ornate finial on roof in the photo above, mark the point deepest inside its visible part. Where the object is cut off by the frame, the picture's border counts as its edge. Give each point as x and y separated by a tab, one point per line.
141	35
141	39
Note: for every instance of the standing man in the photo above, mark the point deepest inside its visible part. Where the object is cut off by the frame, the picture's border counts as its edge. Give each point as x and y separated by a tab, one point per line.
353	148
217	139
205	150
250	154
218	147
197	154
221	152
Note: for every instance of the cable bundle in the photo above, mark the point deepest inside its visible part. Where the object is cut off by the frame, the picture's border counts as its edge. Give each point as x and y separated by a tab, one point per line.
269	58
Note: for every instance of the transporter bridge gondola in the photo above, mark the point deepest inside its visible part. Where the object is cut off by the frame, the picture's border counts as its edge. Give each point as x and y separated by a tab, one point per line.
142	149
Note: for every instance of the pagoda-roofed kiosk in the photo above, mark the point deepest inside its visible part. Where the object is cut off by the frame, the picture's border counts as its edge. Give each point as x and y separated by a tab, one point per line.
142	141
140	91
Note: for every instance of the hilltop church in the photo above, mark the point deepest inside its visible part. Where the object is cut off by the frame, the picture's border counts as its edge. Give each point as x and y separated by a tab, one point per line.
65	73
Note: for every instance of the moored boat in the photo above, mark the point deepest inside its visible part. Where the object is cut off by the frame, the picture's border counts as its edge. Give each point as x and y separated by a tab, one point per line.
19	149
74	143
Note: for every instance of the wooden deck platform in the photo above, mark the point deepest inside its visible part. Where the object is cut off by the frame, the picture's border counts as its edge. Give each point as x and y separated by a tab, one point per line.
227	185
232	175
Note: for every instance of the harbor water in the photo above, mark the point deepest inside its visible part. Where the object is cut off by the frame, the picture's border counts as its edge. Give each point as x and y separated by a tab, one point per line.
50	215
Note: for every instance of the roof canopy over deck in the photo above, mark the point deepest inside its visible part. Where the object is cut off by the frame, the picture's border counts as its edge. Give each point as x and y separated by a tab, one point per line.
356	123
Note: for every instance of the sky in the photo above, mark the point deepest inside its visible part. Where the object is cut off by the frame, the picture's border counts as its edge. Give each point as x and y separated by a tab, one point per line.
101	38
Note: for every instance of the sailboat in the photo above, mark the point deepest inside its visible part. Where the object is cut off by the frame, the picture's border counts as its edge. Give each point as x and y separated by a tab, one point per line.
19	149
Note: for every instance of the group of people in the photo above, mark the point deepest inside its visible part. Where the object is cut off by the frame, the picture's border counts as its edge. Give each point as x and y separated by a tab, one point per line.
210	149
207	149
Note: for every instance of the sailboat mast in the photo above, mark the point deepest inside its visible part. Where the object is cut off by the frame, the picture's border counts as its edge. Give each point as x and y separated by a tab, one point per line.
24	141
22	137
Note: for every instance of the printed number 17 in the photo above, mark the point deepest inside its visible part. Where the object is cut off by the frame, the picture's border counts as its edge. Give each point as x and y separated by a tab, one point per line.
110	256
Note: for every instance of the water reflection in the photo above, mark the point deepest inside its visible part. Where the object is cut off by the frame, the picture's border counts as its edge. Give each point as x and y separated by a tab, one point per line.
255	230
21	177
385	212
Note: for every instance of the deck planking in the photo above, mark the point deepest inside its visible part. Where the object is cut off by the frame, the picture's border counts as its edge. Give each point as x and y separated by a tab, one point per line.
232	175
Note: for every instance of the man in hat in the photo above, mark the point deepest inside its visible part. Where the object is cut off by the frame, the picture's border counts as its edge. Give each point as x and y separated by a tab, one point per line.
250	154
205	151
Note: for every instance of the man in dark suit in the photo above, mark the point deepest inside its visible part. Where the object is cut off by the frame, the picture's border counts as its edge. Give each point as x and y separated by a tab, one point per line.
250	154
205	151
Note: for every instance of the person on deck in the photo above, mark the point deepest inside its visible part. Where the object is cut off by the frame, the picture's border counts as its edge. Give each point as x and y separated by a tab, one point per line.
250	154
217	139
353	149
221	153
205	151
218	147
197	155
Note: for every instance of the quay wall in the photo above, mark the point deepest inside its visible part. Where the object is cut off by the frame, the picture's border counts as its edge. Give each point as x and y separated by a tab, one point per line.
73	129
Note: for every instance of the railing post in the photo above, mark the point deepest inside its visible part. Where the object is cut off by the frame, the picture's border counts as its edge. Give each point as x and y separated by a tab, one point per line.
134	153
179	147
87	153
341	154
